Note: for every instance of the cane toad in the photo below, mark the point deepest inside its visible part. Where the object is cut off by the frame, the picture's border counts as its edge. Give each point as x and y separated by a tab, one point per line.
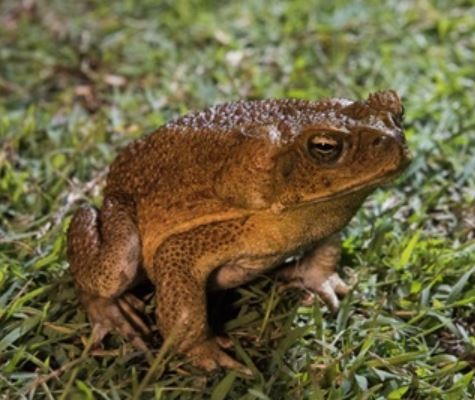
215	198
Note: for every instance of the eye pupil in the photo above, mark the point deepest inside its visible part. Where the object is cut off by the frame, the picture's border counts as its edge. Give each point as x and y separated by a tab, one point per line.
325	148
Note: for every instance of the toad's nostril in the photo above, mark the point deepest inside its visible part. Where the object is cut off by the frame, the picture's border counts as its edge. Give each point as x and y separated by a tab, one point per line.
377	141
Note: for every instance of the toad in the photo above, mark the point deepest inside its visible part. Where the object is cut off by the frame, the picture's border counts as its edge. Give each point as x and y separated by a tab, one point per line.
215	198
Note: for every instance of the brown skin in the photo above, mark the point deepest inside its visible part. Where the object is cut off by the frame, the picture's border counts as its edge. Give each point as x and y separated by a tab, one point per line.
213	199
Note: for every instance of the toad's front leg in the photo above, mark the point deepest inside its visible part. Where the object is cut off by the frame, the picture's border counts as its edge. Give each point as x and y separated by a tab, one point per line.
180	271
316	272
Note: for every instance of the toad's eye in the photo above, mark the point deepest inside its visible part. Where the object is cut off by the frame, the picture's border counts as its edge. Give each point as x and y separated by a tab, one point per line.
325	148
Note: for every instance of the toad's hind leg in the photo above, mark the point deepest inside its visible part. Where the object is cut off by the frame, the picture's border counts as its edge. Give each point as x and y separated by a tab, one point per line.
104	253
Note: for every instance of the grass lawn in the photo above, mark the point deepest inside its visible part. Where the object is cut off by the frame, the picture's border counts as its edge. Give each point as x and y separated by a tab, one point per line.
80	79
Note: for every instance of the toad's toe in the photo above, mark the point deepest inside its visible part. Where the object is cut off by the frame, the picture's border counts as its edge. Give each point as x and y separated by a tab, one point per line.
209	357
108	315
327	289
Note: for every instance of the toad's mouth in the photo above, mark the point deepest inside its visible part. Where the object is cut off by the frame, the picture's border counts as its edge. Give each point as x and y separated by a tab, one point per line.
367	186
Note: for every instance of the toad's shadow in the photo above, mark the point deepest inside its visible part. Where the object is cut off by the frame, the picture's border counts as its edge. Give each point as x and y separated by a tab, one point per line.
221	308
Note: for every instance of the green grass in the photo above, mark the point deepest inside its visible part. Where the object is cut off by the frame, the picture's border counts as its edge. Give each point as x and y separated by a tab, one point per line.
78	80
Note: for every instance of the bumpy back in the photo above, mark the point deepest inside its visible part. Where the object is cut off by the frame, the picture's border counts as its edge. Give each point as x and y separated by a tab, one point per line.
204	140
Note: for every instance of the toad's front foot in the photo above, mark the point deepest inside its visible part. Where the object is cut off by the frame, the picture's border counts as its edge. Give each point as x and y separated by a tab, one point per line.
209	357
119	315
316	273
327	289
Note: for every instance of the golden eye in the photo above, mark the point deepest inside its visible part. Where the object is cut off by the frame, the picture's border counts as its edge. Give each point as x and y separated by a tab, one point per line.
325	148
